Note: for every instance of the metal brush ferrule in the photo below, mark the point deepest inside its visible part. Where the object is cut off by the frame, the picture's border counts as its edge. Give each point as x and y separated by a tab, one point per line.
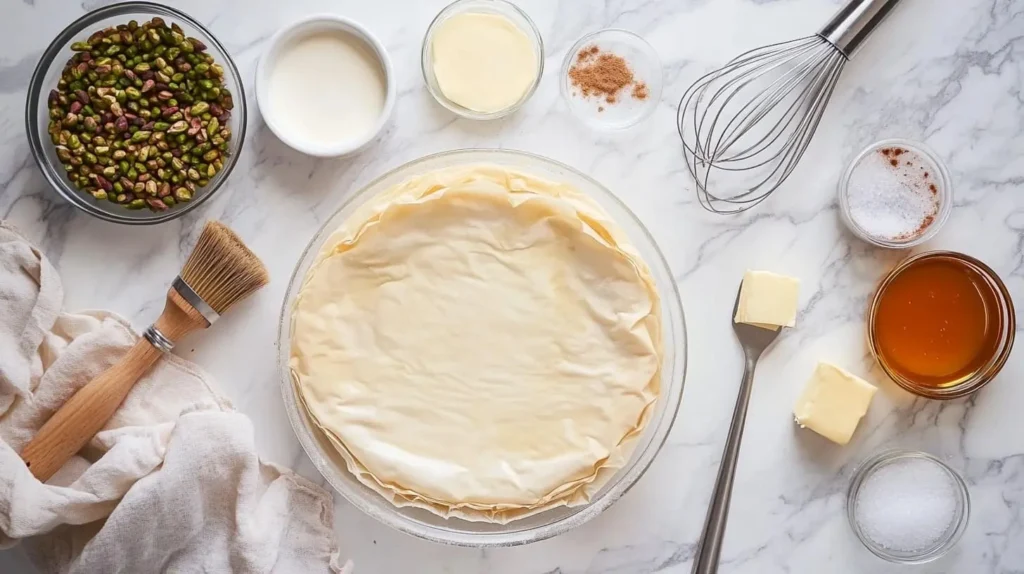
157	339
193	298
848	29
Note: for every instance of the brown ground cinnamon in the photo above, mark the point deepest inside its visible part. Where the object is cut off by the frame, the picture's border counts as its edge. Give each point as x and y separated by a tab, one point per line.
604	75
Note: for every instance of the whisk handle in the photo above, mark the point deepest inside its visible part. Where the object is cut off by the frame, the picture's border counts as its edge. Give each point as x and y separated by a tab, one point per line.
848	29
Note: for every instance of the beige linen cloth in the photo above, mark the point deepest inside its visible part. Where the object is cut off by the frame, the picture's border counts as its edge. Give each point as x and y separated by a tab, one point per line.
172	483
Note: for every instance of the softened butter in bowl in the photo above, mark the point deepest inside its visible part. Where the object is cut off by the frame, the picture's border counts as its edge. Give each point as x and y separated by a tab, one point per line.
482	59
324	86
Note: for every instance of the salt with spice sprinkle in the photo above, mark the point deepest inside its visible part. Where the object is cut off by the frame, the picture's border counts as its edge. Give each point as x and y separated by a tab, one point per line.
907	505
892	194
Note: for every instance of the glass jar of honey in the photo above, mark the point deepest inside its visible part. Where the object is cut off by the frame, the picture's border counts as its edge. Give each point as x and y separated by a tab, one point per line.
941	324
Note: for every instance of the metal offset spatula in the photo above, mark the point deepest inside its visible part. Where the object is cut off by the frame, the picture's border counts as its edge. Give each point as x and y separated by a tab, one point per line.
754	341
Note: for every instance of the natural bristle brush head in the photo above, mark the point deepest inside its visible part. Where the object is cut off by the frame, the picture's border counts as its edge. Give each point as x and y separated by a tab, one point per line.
221	269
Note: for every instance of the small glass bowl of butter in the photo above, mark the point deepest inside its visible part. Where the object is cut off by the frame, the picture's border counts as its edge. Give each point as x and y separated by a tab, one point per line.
482	59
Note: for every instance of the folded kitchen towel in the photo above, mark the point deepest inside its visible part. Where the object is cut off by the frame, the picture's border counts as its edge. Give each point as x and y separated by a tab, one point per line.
171	484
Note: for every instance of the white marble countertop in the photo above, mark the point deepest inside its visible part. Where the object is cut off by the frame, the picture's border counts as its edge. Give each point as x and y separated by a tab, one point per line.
947	72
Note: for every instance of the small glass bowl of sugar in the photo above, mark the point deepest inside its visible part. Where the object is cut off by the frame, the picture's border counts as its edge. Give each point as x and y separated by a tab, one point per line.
896	194
908	507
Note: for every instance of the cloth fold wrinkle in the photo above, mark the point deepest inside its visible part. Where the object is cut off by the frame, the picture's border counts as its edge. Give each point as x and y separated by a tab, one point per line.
172	483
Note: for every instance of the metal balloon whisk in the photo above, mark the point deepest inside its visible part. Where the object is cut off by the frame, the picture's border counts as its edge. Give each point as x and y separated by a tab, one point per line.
745	126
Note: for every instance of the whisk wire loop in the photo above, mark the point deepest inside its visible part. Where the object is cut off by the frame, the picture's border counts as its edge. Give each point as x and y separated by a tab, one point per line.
763	103
753	58
745	126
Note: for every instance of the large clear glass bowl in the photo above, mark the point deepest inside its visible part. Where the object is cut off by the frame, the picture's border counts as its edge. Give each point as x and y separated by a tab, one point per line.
421	523
48	71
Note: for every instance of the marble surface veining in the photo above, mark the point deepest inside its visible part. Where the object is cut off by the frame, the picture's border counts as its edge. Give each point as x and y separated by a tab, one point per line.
946	72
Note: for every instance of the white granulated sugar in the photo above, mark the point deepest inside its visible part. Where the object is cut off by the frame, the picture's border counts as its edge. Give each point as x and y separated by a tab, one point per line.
907	505
893	202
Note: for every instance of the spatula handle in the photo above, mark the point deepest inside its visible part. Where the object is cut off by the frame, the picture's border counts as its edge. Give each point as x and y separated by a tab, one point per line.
709	547
86	412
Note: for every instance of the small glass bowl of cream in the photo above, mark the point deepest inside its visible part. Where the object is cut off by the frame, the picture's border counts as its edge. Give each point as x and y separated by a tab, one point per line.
896	194
482	59
908	507
325	86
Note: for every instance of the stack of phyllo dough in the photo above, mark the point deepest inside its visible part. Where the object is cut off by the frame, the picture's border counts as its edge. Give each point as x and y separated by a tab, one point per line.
480	343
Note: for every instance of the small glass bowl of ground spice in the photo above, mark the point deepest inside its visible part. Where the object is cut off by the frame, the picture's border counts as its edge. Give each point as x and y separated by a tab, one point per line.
611	79
896	194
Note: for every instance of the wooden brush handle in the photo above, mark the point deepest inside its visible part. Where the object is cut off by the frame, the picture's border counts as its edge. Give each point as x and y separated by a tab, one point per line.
86	412
89	409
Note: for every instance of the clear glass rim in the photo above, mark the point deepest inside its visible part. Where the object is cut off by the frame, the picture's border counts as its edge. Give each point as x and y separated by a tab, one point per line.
985	375
645	453
941	547
53	51
564	82
945	197
426	67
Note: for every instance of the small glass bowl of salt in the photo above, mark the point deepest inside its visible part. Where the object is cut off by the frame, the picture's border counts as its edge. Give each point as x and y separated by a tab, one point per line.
908	507
896	194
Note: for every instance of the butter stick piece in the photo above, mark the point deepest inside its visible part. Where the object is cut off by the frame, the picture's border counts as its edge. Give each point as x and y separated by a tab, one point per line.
768	300
833	402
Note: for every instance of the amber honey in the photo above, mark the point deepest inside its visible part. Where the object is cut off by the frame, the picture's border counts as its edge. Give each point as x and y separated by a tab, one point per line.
941	324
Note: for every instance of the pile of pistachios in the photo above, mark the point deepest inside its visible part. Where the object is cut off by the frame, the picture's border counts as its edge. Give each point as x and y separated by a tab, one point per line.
140	116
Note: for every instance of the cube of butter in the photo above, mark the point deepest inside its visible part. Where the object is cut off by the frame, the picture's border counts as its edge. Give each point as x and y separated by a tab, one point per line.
768	300
833	403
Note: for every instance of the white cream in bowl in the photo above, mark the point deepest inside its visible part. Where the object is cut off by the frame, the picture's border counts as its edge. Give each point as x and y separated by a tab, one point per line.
324	86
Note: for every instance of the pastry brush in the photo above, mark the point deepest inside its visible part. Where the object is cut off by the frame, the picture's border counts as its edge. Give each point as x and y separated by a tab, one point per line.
220	272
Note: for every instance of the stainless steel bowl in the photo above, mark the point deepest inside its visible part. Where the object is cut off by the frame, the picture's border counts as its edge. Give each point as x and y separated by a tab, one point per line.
48	71
421	523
